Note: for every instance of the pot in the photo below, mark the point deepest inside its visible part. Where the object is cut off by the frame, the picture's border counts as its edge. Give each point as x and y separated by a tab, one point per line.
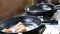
41	9
9	22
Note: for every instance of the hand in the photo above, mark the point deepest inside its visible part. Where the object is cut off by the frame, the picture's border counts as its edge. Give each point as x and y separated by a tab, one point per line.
20	27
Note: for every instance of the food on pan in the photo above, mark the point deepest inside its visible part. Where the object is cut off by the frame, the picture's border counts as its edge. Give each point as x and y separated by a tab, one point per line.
7	30
20	27
17	28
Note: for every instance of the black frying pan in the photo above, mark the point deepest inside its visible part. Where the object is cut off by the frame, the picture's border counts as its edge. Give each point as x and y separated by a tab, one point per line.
9	22
41	9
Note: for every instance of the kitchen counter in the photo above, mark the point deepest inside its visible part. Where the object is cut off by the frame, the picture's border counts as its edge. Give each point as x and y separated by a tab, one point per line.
52	29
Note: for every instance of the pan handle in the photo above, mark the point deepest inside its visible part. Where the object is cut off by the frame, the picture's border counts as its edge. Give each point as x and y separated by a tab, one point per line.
50	22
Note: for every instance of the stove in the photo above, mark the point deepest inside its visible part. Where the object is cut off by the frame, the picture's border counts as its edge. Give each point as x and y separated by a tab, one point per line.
54	28
51	25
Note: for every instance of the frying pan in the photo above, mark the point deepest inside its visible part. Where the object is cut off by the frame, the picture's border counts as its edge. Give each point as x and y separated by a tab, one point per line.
41	9
9	22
